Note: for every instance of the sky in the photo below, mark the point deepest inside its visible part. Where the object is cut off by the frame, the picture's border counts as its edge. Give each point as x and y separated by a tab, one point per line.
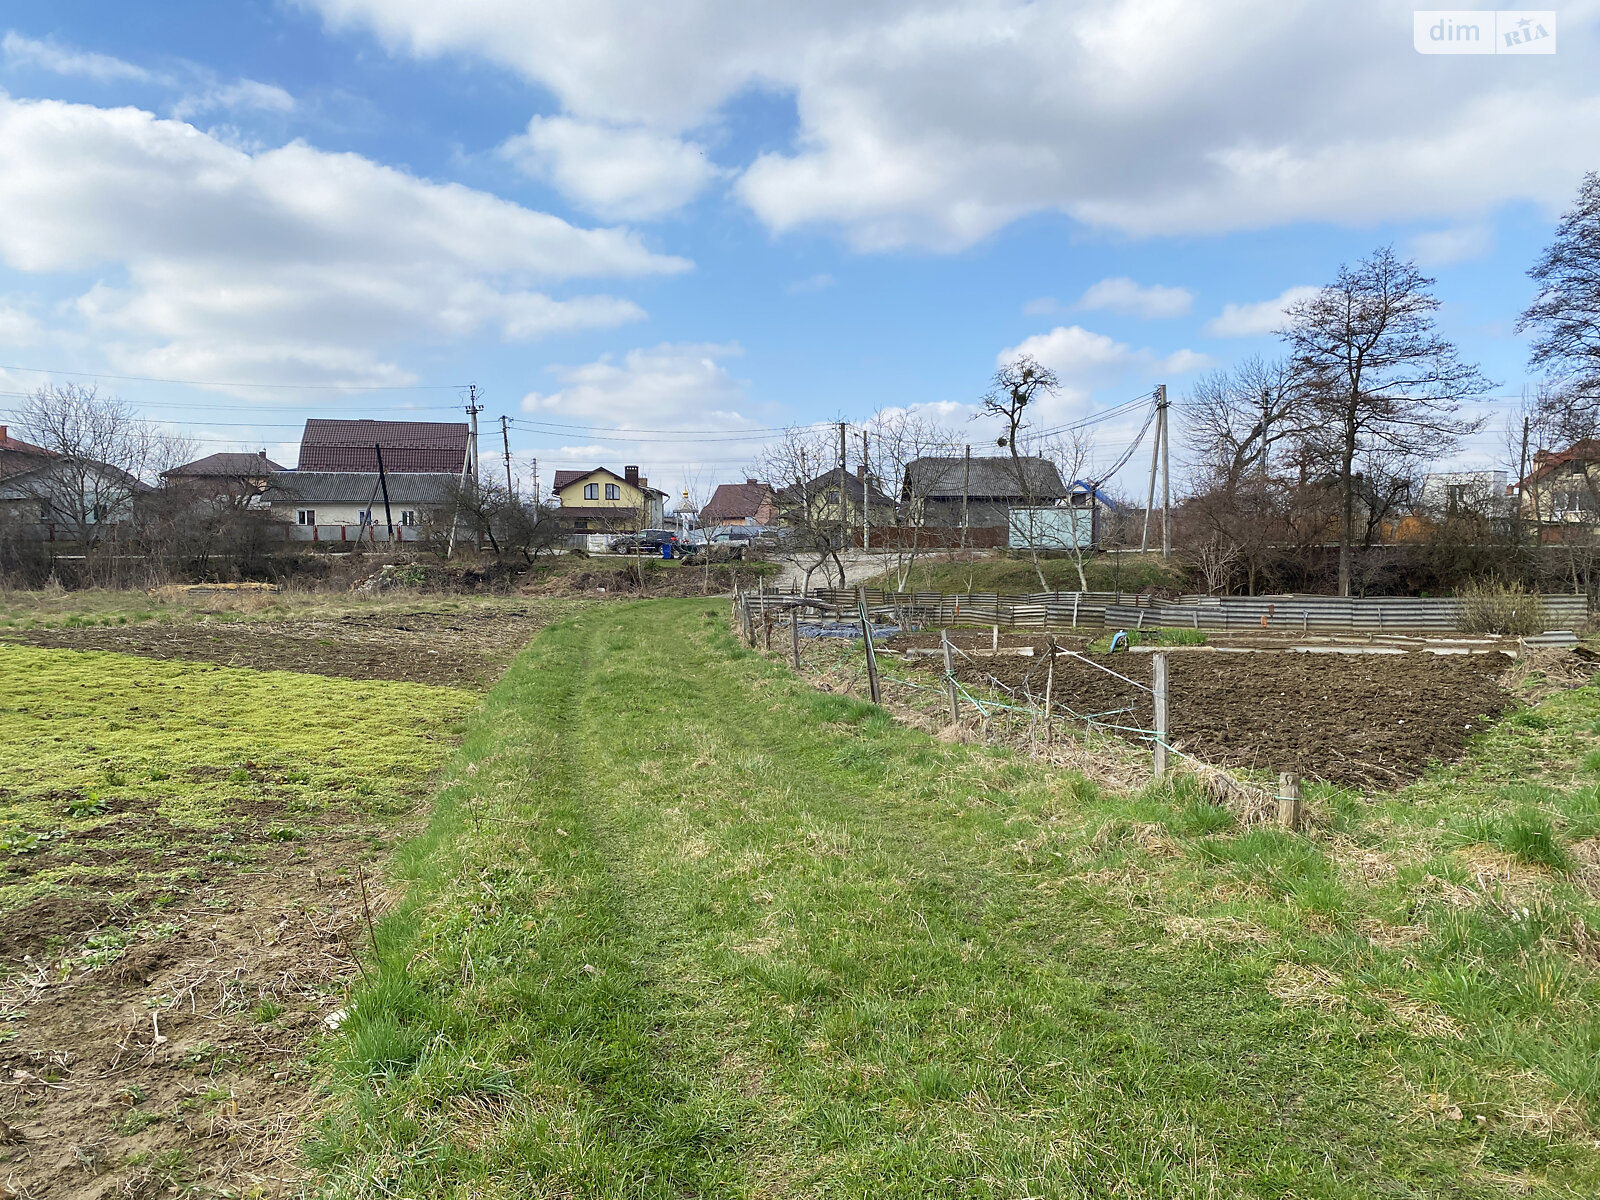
655	233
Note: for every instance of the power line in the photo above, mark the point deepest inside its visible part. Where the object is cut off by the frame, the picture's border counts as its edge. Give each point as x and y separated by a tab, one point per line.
317	387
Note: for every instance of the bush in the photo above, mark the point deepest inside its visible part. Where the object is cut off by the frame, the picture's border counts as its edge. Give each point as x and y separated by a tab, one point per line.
1508	608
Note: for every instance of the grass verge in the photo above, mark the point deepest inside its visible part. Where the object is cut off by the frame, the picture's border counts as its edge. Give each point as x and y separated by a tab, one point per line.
683	926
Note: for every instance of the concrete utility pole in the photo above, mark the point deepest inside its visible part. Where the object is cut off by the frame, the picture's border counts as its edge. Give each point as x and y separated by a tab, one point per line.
505	440
536	499
473	409
966	489
1166	476
1150	496
866	495
383	482
844	508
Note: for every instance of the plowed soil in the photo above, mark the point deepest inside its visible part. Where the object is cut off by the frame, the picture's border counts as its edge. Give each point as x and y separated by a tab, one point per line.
1364	720
466	649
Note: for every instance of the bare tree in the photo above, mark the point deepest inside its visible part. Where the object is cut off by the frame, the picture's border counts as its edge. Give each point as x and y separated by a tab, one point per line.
900	440
1377	376
100	457
1239	418
1565	315
1017	386
801	466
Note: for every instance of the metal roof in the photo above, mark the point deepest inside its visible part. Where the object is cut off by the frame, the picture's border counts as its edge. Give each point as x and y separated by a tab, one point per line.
408	446
995	478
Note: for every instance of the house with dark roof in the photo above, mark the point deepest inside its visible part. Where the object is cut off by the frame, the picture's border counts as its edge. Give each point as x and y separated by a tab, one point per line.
58	496
598	500
747	503
978	492
816	503
407	447
226	476
1563	488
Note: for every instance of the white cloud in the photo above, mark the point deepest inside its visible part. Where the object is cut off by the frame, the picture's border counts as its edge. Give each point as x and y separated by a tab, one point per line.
614	171
49	55
1263	316
292	264
936	122
1042	306
244	95
1441	247
673	384
1081	356
17	328
820	282
1122	295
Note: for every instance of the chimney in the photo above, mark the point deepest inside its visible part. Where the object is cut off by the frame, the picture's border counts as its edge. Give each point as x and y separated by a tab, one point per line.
2	435
263	453
631	474
861	472
750	482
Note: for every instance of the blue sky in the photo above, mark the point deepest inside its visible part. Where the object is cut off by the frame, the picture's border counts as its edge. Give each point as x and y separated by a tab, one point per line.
615	216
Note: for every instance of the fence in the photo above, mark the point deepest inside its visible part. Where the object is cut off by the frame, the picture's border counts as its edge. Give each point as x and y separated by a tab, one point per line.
1045	611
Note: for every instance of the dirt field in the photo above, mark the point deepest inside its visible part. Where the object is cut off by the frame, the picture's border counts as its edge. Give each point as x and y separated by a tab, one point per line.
467	648
183	848
1363	720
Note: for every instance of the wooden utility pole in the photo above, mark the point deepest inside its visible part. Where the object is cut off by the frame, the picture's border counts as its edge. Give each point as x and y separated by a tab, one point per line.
505	441
1166	475
950	677
383	482
1522	474
1150	496
1158	693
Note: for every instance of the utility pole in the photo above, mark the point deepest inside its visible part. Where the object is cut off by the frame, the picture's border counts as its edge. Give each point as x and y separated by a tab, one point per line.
866	492
473	409
1522	474
1166	477
505	440
1155	460
536	499
966	490
844	510
383	482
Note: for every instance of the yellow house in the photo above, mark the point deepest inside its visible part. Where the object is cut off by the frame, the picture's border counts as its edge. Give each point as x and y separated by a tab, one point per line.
601	501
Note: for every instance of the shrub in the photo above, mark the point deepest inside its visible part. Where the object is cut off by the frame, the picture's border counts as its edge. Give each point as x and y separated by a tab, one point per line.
1488	606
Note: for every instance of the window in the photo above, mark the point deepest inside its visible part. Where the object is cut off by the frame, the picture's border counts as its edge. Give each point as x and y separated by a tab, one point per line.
580	524
591	491
408	517
613	492
306	516
364	516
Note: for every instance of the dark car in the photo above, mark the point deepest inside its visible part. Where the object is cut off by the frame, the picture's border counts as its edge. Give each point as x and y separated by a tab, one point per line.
649	541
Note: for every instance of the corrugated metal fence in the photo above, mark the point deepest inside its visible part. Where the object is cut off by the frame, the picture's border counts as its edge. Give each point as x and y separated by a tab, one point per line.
1124	610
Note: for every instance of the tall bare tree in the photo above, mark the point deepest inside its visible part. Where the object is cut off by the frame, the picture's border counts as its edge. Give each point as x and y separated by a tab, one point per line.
1565	315
899	439
802	467
1377	376
101	456
1017	387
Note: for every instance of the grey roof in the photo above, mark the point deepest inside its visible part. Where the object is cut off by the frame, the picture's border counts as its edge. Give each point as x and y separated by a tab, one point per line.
246	466
991	478
359	487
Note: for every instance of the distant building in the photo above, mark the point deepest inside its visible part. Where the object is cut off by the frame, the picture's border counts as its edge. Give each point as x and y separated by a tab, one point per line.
1447	493
1564	486
980	492
747	503
348	506
408	447
54	497
224	475
599	500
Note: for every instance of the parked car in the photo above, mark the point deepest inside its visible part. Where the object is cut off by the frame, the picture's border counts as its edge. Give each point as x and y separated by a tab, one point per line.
648	540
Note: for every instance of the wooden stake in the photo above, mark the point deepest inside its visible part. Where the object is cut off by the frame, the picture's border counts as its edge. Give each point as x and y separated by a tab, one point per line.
1158	688
794	633
872	658
996	643
1049	683
1290	811
950	678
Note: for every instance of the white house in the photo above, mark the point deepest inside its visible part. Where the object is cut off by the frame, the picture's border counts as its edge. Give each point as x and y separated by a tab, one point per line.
346	506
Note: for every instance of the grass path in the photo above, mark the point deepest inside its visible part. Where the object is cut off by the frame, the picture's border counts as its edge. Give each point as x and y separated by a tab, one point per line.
683	927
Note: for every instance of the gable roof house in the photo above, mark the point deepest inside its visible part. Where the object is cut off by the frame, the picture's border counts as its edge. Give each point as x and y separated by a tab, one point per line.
945	492
348	506
747	503
232	477
55	496
1563	488
425	447
816	504
598	500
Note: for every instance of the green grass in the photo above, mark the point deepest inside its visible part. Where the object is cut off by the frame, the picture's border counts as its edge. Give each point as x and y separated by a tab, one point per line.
1152	637
682	926
88	738
1015	575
